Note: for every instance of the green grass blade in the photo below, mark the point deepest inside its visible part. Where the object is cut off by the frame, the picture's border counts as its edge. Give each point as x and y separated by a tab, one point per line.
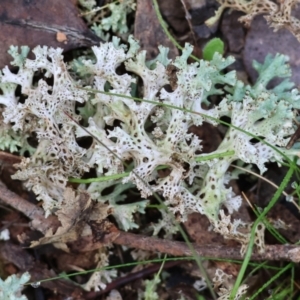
266	284
165	29
99	179
247	258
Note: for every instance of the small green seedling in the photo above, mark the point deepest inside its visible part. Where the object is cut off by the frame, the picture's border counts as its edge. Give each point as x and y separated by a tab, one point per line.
213	46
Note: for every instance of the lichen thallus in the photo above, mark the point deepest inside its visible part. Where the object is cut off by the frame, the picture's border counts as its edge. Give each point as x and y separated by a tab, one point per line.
114	154
185	237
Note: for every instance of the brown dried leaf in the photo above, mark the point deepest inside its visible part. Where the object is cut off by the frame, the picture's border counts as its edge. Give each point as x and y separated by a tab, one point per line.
75	213
73	210
42	22
233	31
149	32
197	226
74	261
102	234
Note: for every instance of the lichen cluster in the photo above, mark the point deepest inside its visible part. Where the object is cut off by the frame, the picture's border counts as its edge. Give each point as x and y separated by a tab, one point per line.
279	14
150	134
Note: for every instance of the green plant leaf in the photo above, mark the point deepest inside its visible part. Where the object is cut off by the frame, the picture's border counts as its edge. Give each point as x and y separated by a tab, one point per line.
213	46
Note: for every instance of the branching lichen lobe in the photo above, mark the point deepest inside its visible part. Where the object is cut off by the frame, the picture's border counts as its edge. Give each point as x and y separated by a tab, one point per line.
203	186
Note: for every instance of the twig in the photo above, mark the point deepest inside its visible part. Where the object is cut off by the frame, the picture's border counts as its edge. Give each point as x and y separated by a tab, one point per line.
9	159
113	235
188	18
175	248
272	252
30	210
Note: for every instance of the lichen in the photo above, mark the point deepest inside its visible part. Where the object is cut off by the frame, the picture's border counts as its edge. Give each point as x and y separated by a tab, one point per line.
278	15
151	133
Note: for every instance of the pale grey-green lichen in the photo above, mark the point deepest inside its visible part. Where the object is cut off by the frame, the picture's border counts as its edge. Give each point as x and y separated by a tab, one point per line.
255	109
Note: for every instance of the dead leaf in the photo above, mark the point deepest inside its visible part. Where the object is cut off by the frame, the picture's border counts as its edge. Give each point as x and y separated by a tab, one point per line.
149	32
197	226
233	31
73	209
75	261
261	40
174	14
102	234
23	260
37	22
73	216
200	11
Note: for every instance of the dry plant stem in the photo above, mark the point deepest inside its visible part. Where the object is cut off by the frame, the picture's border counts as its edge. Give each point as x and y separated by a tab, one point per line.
272	252
30	210
188	18
174	248
85	244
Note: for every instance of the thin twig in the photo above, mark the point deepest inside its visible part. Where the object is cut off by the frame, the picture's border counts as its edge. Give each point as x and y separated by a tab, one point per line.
175	248
188	18
272	252
30	210
9	159
89	243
